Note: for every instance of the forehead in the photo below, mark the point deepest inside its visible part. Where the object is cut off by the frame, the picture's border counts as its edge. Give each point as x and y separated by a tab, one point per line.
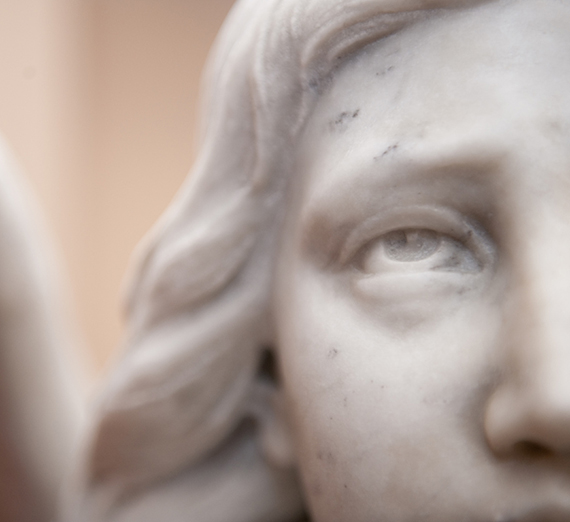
462	76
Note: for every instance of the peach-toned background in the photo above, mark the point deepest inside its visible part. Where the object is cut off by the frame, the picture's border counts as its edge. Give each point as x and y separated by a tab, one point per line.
98	100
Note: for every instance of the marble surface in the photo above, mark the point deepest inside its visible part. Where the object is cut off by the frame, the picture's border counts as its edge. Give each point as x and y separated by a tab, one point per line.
41	411
357	306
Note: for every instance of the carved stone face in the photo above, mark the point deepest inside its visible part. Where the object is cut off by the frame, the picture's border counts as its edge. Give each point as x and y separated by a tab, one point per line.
423	300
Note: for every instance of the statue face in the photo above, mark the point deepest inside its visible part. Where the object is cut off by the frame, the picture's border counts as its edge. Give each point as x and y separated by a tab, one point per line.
423	300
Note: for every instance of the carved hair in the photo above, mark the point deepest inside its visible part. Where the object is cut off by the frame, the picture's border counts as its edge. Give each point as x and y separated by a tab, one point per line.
199	311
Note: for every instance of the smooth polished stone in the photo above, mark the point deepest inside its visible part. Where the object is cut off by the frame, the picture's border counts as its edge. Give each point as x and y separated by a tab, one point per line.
358	305
41	411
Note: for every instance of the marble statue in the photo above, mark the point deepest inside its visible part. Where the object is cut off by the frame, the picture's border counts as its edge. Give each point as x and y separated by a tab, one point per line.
357	308
40	408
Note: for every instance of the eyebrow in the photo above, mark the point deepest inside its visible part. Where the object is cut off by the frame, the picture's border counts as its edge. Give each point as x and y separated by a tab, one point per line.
464	177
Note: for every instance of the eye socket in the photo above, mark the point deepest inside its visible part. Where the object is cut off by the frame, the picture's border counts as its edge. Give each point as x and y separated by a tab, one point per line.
416	250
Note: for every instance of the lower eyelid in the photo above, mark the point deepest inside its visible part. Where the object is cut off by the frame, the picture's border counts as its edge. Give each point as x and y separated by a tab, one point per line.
413	289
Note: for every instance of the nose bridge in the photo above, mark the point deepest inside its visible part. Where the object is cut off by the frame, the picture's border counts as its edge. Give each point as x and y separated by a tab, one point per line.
532	404
542	303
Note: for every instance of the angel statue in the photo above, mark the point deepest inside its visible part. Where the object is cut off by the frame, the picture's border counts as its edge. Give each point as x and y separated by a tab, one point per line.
357	308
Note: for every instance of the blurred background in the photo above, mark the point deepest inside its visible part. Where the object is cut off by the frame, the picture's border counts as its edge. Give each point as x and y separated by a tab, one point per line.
98	100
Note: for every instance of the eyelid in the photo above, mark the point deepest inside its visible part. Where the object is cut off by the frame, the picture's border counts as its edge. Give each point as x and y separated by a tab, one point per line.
442	220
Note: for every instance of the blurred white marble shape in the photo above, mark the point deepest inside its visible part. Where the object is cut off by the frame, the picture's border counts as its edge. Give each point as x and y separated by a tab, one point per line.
41	407
362	292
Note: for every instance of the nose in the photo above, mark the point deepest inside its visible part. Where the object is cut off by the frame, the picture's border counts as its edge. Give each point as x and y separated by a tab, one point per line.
529	411
530	420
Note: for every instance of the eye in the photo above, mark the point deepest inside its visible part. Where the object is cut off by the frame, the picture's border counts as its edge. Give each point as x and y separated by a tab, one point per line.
410	244
416	250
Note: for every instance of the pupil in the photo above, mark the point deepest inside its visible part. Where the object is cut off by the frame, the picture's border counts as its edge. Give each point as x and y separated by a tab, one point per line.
411	245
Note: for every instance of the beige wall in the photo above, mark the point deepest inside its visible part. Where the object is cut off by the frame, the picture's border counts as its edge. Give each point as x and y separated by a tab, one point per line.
98	100
43	113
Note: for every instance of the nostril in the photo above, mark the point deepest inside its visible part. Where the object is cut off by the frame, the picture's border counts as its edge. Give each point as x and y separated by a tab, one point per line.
530	422
530	449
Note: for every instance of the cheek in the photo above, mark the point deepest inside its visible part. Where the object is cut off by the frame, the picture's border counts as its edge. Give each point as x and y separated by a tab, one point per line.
371	401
